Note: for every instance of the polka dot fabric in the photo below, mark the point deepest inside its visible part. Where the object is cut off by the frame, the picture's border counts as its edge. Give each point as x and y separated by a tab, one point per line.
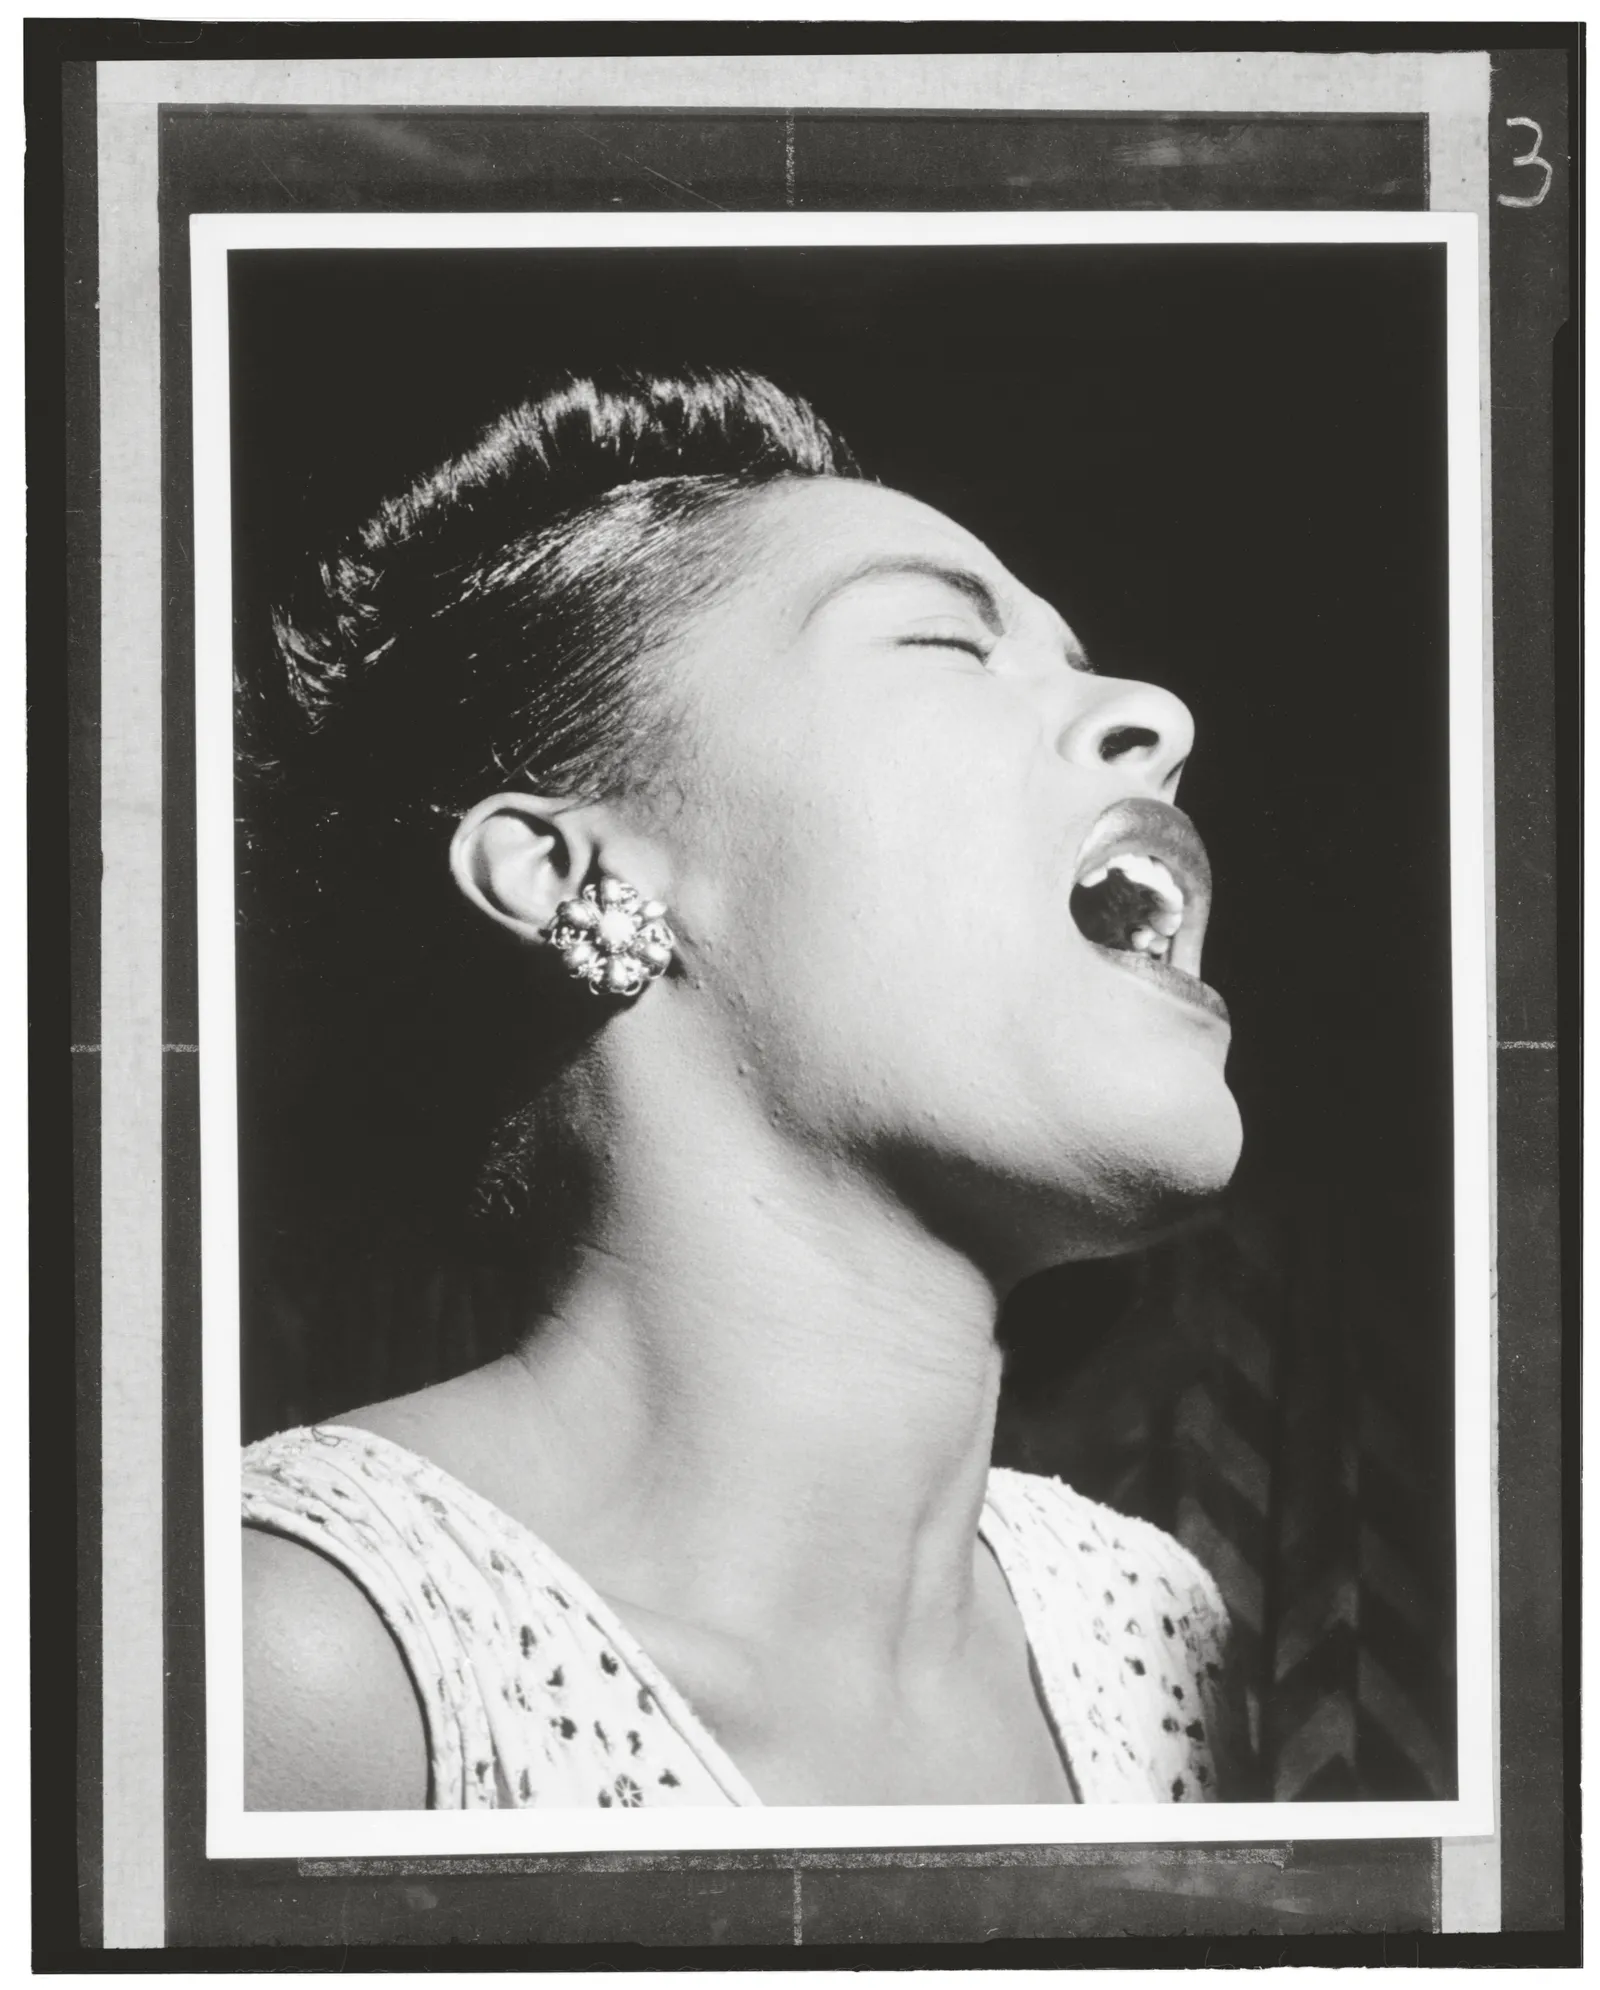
535	1694
1128	1634
532	1691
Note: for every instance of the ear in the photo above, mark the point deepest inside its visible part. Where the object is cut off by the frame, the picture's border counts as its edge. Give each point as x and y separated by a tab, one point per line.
517	856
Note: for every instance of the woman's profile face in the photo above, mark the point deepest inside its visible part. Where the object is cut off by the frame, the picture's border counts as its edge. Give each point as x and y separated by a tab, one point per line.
897	766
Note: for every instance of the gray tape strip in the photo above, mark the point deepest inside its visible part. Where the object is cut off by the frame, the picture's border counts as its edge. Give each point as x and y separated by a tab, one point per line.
130	1060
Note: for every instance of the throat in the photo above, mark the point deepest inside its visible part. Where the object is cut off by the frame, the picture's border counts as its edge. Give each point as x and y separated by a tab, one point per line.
762	1486
803	1723
761	1397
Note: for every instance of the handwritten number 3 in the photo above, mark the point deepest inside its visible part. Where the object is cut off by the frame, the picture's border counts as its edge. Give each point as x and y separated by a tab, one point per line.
1532	157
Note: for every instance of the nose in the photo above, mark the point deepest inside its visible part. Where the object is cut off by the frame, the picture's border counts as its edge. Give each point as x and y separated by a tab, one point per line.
1137	729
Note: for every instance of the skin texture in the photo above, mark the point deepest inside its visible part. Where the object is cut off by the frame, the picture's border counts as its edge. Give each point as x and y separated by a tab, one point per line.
886	1079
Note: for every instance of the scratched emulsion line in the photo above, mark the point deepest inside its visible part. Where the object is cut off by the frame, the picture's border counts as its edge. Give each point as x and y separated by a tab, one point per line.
666	179
799	1910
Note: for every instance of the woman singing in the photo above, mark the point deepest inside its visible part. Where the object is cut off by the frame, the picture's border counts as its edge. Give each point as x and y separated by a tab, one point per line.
751	891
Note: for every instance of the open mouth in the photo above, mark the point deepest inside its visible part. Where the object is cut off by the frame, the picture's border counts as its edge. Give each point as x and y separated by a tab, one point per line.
1143	895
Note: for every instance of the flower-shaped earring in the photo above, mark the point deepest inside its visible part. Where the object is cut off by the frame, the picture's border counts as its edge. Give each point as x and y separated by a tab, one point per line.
612	939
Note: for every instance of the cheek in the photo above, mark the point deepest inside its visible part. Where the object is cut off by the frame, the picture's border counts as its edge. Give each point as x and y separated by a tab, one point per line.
876	856
886	928
822	836
875	998
822	934
898	969
879	876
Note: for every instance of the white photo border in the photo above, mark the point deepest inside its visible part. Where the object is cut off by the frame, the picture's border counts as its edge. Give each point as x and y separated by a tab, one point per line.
234	1832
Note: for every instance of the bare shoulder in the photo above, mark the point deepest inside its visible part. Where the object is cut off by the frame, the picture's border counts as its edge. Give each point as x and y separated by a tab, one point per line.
331	1719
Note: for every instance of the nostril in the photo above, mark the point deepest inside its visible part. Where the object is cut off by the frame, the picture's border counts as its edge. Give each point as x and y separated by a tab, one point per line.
1120	741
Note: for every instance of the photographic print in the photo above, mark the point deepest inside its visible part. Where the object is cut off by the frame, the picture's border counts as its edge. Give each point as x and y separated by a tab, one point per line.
1171	1198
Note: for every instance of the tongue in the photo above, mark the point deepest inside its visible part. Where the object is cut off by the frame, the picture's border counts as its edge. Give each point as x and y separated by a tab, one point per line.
1110	912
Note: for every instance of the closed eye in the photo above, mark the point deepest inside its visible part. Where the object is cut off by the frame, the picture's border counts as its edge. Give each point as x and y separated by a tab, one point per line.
967	643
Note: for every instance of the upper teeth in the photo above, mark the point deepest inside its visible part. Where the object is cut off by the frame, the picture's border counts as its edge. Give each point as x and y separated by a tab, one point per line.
1165	919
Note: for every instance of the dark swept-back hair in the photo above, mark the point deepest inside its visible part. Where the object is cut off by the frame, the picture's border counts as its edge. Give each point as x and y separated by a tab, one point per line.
487	629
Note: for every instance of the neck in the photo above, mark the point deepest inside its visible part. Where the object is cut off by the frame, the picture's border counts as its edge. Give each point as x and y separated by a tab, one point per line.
763	1396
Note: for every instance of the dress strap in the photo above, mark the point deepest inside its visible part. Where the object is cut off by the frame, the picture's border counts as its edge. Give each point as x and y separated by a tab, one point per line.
1127	1632
330	1495
533	1691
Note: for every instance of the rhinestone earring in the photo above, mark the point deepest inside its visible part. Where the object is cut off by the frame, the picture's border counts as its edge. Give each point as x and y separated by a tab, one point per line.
611	938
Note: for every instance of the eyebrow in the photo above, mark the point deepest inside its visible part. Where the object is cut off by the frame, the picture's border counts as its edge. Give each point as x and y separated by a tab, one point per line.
962	579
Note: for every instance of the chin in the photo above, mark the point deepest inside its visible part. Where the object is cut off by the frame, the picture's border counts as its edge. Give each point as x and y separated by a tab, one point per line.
1179	1179
1201	1150
1146	1183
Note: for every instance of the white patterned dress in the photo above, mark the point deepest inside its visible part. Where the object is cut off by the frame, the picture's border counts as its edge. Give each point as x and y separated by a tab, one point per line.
534	1693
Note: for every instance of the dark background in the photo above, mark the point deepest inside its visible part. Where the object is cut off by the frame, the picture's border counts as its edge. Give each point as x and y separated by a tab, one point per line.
1227	468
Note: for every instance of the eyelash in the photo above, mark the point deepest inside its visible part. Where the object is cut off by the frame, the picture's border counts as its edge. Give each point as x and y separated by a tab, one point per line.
949	643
